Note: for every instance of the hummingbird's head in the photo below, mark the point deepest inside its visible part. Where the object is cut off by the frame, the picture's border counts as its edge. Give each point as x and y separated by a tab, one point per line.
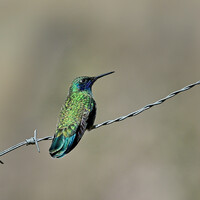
84	83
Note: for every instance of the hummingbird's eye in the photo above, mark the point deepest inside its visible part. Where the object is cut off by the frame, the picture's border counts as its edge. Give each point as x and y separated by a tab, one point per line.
83	80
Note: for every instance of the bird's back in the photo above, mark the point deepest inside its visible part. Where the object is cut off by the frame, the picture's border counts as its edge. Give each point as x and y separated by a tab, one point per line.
78	110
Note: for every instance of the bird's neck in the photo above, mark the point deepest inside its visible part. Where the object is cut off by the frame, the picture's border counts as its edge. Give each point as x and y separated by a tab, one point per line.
76	90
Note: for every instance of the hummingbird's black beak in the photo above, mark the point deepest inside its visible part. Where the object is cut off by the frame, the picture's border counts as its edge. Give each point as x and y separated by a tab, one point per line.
102	75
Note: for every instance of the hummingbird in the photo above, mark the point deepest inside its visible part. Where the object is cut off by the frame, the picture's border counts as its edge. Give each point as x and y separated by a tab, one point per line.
76	116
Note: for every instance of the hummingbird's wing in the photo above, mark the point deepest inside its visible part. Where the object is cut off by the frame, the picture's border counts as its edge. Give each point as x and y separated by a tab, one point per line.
72	124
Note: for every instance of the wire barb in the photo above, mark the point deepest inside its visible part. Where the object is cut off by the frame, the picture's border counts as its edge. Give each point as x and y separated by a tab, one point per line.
34	140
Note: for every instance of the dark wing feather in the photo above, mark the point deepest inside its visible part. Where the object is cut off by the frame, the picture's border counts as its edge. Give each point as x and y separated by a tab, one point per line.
91	117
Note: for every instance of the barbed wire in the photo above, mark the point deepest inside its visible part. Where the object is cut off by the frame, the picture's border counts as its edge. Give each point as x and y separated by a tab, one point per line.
147	106
32	140
35	140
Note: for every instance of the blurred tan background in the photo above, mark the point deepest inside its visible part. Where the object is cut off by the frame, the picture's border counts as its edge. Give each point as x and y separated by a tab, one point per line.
154	47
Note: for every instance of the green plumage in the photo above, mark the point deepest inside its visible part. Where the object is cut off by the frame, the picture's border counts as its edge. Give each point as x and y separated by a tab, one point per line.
76	108
76	115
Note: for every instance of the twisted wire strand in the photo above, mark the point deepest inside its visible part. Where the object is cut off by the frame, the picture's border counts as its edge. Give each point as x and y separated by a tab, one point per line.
32	140
35	140
147	106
